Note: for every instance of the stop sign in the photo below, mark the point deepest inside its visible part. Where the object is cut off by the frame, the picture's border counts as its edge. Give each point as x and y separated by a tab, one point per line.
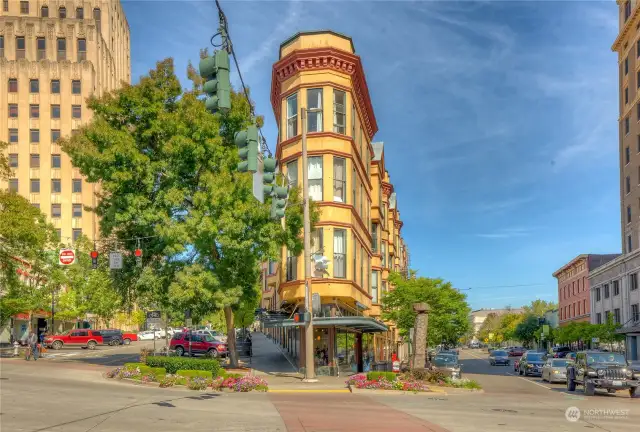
67	256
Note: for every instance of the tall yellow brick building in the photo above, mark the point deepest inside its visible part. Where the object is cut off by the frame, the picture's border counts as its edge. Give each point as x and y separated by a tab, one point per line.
359	228
54	54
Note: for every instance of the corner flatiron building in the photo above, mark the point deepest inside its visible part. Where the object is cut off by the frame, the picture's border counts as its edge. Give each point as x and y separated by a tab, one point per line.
359	227
53	55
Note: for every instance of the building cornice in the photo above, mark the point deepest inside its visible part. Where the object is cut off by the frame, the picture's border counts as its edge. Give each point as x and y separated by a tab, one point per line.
387	189
626	29
569	264
313	59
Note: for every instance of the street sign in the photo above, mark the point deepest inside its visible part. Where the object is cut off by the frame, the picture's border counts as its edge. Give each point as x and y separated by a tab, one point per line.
154	317
486	340
595	340
115	260
67	256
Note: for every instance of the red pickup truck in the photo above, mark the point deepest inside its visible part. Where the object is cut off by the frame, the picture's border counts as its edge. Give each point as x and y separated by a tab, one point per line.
77	337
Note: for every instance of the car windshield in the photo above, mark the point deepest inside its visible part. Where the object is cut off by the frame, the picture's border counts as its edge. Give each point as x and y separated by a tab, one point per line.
534	356
208	338
606	358
500	353
445	360
559	363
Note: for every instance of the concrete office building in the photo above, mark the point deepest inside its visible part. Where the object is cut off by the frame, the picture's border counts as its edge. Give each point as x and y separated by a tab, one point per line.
54	54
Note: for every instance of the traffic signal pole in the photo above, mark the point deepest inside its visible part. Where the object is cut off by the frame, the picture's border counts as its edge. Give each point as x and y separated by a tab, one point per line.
309	369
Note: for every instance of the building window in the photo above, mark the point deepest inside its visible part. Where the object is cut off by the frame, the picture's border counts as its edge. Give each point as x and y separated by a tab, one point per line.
20	47
292	172
339	179
361	200
55	135
374	287
314	103
56	210
56	161
13	185
355	256
76	233
96	17
13	85
292	116
41	45
77	210
598	318
292	266
13	135
34	86
62	49
626	95
24	7
44	12
627	184
76	185
598	294
339	111
628	214
34	135
34	161
56	186
79	13
635	313
626	125
315	178
5	5
633	281
35	186
616	287
13	160
55	111
339	253
273	267
627	155
55	86
627	10
626	65
374	237
629	244
616	316
76	87
82	49
1	46
76	111
383	252
62	12
34	111
362	267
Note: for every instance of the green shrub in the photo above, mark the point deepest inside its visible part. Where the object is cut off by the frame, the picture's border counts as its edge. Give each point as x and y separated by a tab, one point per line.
224	374
158	371
144	369
174	364
375	376
194	373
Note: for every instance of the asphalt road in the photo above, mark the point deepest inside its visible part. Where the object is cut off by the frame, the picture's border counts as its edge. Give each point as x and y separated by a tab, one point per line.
102	355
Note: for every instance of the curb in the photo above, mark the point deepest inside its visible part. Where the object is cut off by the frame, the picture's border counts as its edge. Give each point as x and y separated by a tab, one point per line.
394	392
309	391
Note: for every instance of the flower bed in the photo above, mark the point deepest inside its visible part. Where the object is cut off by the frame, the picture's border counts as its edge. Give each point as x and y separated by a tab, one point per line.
382	382
192	379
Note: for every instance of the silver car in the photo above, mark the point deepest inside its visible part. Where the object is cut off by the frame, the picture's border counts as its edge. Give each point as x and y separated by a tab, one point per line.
555	370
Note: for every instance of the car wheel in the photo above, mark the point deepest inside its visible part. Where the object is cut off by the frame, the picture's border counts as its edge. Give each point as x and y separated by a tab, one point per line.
114	342
589	388
91	345
126	341
56	345
632	391
571	384
611	390
180	351
212	353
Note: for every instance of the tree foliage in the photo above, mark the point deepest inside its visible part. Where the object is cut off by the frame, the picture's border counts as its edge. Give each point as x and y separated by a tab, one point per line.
539	307
448	317
168	172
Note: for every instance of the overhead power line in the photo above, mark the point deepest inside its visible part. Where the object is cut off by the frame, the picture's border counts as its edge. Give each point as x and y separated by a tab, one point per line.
507	286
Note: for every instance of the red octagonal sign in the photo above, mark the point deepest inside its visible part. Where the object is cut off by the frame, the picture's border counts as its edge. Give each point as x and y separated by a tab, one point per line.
67	256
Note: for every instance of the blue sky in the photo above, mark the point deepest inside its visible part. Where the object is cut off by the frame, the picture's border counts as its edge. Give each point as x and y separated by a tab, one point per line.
499	120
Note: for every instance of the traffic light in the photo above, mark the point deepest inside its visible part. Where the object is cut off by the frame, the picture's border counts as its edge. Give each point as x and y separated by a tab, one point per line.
269	175
215	71
247	142
279	202
94	259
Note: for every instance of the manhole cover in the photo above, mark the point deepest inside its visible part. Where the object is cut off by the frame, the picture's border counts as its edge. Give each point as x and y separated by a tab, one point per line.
505	410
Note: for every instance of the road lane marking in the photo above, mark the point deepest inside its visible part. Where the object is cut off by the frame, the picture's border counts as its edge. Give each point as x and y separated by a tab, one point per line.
528	380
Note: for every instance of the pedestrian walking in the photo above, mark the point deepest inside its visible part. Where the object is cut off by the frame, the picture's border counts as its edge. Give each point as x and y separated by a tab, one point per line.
32	349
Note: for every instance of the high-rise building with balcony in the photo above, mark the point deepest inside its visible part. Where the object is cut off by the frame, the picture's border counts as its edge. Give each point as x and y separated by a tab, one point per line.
54	55
359	227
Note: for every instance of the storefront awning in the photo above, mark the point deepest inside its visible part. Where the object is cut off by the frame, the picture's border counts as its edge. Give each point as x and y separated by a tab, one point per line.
359	323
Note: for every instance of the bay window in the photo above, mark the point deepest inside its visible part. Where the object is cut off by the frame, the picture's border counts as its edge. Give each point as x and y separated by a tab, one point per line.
339	253
315	178
314	117
339	179
292	116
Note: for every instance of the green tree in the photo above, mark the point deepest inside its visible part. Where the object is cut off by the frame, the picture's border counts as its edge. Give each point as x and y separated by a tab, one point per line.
448	318
539	307
527	330
168	172
489	327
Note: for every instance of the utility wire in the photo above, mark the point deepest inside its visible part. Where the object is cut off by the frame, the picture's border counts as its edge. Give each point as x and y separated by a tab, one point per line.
505	286
229	47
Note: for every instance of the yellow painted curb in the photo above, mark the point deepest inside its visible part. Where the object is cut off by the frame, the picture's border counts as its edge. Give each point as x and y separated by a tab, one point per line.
309	391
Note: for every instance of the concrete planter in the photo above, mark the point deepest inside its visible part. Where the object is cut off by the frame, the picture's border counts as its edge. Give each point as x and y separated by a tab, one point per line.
445	391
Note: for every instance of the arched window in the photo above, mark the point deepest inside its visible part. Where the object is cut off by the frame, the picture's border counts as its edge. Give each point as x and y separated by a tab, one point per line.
44	12
62	12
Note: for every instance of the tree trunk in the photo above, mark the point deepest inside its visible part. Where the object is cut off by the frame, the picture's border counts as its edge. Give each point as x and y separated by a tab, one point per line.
231	337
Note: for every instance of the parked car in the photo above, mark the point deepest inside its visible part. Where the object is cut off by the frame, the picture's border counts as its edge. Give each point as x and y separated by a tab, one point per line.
602	370
148	335
111	337
128	337
216	335
560	352
447	363
499	357
200	344
554	370
531	363
516	351
85	338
